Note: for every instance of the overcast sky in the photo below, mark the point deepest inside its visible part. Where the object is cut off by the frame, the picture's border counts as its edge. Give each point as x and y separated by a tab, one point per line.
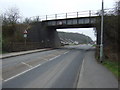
29	8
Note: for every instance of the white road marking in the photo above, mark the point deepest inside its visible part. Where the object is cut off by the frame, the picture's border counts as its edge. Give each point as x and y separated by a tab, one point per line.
57	56
22	73
54	58
82	69
81	73
27	64
30	68
66	52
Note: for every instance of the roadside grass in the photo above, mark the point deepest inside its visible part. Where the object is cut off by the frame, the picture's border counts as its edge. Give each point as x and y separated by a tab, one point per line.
113	67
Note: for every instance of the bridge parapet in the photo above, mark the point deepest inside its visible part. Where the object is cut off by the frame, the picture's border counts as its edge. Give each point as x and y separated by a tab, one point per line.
88	13
71	21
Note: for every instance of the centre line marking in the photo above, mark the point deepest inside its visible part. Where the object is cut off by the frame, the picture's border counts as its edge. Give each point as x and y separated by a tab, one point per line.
66	52
54	58
57	56
27	64
22	73
81	73
30	68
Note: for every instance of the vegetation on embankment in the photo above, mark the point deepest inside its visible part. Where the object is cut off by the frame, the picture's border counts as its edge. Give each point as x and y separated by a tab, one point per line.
110	39
113	67
13	31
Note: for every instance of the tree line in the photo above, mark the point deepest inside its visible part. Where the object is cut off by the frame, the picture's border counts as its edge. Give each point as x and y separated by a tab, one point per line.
13	27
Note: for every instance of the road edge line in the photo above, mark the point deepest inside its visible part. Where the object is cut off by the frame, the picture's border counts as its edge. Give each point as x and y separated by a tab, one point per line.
28	70
22	73
80	73
54	58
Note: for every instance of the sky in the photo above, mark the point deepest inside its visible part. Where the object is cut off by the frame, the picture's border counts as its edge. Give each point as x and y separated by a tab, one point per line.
30	8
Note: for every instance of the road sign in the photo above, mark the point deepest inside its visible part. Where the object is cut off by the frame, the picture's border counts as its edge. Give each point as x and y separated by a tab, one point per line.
25	35
25	32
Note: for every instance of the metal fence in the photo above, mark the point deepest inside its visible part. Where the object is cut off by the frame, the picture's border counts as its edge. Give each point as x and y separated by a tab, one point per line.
87	13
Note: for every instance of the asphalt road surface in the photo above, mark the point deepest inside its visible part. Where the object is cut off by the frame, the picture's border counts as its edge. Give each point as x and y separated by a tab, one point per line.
59	68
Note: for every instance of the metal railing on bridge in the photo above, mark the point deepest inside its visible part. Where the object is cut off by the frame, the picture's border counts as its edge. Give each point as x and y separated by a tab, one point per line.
88	13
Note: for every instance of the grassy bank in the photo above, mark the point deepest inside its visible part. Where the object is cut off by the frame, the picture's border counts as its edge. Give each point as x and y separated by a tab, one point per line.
113	67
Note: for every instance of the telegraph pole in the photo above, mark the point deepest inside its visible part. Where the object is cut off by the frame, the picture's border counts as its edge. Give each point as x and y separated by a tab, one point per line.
101	44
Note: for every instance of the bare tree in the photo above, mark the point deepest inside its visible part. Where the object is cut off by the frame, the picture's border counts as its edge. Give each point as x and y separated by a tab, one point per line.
9	25
31	20
11	16
117	7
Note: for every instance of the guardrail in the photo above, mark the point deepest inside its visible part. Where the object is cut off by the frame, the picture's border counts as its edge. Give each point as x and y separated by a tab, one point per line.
87	13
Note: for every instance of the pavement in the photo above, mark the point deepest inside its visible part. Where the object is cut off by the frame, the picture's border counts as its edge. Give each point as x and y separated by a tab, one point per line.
13	54
95	75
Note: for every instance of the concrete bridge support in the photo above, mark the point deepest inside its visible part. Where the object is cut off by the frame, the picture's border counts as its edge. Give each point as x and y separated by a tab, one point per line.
47	37
52	39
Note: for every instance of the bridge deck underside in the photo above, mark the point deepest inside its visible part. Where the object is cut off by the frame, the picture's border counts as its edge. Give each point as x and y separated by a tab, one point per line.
85	22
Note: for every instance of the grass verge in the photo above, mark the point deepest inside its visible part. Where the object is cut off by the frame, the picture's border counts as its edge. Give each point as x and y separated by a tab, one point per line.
113	67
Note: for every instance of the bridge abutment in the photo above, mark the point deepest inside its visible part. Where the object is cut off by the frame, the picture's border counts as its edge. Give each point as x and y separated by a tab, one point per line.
47	37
